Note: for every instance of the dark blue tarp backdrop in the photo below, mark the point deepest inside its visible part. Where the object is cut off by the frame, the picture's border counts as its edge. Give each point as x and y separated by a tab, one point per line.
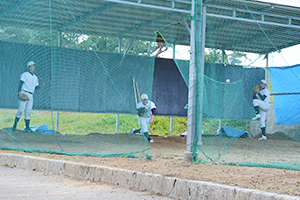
170	92
76	81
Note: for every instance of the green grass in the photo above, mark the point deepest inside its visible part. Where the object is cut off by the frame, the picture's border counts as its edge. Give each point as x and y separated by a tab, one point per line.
85	123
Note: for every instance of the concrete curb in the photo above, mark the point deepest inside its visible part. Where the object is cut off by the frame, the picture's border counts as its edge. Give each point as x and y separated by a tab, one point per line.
166	186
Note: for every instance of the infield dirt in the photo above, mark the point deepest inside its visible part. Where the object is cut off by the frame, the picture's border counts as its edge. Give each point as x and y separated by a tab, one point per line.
167	159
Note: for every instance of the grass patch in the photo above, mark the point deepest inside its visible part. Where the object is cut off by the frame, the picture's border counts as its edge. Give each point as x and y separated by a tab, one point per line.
85	123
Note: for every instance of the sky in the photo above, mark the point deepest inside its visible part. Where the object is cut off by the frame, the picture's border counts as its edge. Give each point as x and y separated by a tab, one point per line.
295	3
287	57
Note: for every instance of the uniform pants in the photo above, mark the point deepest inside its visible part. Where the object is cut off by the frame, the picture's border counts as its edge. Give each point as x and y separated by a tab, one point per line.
145	123
263	109
25	106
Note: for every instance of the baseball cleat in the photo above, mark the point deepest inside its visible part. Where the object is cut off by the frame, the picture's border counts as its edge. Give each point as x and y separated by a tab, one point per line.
263	137
256	117
151	141
29	130
132	131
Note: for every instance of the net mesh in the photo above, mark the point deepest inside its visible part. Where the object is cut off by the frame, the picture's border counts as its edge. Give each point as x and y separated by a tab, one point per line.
86	73
224	130
91	54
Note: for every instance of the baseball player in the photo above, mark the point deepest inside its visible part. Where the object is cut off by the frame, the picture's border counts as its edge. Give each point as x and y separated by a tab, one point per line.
261	103
27	85
147	117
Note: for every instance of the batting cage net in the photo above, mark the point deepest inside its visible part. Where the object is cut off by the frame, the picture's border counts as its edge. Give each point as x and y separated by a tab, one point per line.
96	58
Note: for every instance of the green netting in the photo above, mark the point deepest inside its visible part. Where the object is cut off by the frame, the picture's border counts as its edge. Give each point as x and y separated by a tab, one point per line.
91	53
223	92
88	66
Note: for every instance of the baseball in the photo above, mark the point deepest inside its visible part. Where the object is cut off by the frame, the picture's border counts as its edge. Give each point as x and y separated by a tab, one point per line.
227	80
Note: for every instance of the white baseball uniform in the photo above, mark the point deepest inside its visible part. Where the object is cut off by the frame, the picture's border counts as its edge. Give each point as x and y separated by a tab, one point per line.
145	119
264	106
30	82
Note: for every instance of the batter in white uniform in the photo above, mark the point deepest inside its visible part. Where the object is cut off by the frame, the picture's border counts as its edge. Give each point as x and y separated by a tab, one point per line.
261	103
148	117
28	84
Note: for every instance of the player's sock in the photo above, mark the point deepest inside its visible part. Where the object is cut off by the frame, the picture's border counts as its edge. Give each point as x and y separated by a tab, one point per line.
256	108
15	123
146	134
136	131
27	122
263	131
254	96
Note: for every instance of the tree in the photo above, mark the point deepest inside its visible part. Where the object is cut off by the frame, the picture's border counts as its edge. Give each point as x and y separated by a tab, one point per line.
215	55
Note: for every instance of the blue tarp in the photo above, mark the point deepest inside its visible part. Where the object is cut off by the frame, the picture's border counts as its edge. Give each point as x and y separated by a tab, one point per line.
233	132
286	80
43	129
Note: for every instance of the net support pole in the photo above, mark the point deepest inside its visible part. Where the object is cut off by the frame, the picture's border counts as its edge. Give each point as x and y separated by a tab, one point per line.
57	112
57	121
222	61
196	79
267	66
171	125
117	123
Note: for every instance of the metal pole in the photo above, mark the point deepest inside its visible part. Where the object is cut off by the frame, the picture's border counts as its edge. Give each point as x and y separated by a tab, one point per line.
267	66
222	61
200	73
117	123
196	70
57	112
171	125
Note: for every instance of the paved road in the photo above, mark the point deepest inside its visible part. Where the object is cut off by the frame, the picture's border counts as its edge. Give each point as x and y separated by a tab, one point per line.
22	184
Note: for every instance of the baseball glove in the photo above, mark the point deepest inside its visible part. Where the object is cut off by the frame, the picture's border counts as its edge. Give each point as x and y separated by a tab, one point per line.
256	89
23	97
142	111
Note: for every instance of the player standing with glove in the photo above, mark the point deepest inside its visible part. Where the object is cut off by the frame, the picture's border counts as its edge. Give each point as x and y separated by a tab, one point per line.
146	111
27	85
261	103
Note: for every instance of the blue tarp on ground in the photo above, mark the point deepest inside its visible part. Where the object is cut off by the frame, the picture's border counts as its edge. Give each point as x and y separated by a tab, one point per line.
43	129
286	80
233	132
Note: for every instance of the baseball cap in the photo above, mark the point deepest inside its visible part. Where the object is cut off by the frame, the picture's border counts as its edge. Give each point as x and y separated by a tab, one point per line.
30	63
144	96
263	81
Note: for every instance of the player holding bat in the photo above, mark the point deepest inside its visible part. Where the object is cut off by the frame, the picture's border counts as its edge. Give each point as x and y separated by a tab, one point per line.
146	111
27	85
261	103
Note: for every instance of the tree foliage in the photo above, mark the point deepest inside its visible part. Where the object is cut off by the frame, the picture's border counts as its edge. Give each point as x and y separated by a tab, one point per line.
101	43
233	58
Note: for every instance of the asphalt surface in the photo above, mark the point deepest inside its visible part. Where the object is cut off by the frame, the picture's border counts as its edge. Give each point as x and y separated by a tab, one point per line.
22	184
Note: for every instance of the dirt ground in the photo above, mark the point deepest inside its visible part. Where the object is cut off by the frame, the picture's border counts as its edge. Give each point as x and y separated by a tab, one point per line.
167	159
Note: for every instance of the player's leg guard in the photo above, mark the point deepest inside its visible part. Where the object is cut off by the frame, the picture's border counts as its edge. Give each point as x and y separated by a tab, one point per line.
27	122
15	123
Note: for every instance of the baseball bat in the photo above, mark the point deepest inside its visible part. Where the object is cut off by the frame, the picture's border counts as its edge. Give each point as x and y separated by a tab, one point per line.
138	92
134	90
